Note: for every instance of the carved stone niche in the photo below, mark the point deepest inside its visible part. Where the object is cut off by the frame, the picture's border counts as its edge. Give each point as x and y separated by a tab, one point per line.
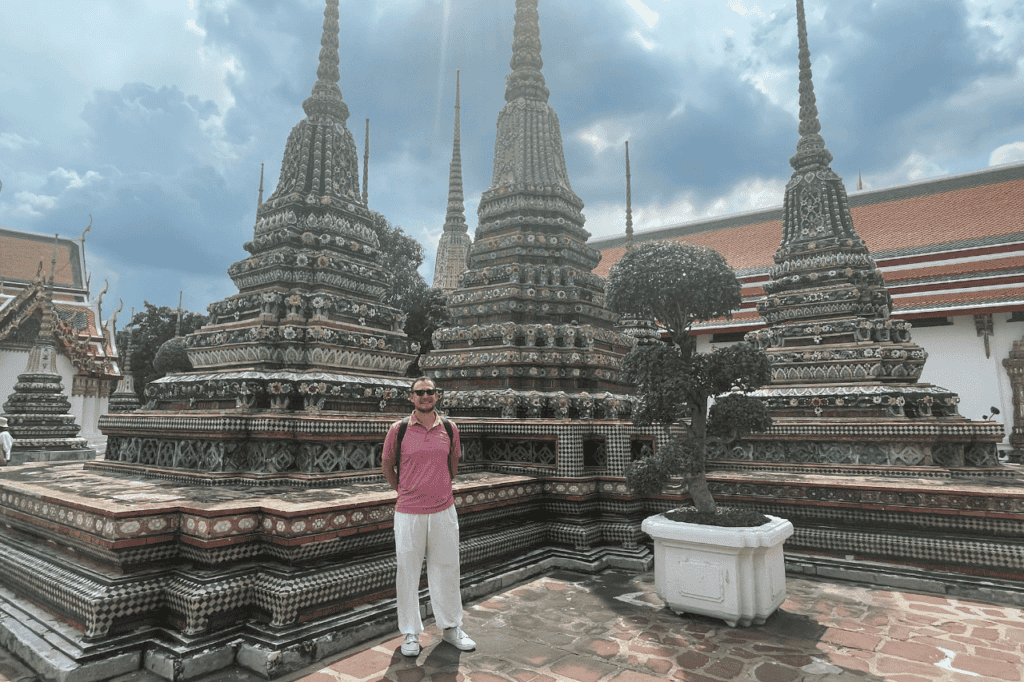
1014	366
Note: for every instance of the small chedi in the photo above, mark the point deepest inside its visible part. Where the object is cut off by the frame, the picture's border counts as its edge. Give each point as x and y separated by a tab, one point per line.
836	354
533	337
38	411
124	398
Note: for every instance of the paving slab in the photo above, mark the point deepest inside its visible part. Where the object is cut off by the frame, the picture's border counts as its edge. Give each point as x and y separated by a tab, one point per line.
612	627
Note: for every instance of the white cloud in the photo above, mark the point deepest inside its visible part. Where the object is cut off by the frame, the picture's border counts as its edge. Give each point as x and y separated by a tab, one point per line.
996	16
1008	153
73	179
604	135
915	167
33	205
644	43
741	9
14	141
609	219
195	28
646	14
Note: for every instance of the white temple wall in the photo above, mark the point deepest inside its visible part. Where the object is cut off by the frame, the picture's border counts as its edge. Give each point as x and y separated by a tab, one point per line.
956	360
12	363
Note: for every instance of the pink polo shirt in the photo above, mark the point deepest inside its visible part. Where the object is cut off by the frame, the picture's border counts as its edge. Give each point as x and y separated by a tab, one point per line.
424	481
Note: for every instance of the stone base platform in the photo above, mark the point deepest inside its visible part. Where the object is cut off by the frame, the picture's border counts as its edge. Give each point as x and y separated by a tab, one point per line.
168	569
26	456
894	441
182	573
968	521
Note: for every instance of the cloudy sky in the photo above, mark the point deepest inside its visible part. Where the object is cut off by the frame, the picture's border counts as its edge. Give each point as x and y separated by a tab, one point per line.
153	116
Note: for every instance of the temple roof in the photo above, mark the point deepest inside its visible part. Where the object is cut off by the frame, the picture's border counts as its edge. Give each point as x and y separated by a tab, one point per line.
79	333
21	254
937	243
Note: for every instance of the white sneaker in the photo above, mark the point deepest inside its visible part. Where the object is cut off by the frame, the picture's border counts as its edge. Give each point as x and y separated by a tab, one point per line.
458	639
411	645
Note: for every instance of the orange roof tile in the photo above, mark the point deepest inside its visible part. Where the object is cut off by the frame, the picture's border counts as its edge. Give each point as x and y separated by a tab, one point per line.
977	206
978	268
21	254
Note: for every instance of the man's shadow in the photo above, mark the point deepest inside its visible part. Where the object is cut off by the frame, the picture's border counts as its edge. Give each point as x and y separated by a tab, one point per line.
441	658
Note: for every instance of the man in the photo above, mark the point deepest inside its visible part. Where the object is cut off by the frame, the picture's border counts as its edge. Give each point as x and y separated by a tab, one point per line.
6	442
426	524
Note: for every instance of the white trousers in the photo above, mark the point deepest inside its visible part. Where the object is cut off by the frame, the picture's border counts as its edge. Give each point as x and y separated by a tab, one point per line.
436	537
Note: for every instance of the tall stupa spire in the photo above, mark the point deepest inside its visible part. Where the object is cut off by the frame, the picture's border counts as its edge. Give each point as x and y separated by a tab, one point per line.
529	301
833	348
455	219
320	163
308	325
326	95
629	203
366	164
455	242
259	199
526	79
810	150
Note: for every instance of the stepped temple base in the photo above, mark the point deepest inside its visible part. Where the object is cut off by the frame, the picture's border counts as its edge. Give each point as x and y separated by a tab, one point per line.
962	520
114	563
894	442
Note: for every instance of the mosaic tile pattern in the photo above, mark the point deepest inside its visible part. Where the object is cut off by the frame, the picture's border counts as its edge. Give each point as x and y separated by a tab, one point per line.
89	601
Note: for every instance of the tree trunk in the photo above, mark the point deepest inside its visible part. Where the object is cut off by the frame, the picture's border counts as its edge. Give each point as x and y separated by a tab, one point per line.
699	493
698	484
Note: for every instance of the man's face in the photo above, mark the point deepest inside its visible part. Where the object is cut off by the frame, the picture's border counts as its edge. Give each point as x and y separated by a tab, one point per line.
425	402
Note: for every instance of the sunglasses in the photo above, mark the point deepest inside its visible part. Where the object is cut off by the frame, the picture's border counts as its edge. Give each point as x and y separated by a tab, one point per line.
425	391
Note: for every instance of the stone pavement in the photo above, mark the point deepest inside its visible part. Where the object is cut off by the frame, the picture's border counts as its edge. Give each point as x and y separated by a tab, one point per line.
612	627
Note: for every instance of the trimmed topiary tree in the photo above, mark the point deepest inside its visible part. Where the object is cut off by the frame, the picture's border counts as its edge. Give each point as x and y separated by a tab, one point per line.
678	284
171	357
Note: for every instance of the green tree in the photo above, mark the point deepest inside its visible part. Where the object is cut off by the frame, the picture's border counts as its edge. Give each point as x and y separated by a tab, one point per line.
149	330
425	307
401	256
678	284
428	312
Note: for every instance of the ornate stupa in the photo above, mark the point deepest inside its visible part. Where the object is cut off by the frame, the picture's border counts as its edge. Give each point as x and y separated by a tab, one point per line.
643	329
455	242
124	398
835	351
533	336
38	412
307	329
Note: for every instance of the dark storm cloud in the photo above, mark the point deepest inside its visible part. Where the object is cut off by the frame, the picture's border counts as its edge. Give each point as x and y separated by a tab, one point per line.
141	128
890	62
705	95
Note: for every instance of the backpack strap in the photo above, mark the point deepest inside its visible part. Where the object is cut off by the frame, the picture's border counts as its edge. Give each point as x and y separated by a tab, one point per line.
451	444
402	426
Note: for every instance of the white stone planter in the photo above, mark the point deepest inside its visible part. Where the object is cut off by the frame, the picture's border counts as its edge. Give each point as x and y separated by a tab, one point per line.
736	574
